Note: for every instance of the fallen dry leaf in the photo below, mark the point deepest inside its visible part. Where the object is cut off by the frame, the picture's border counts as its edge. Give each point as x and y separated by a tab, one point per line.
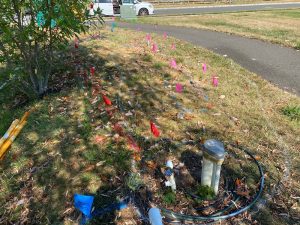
257	157
137	156
189	116
238	182
245	193
89	168
99	139
151	164
209	106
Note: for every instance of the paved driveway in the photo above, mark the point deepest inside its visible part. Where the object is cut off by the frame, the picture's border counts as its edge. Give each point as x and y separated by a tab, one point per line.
277	64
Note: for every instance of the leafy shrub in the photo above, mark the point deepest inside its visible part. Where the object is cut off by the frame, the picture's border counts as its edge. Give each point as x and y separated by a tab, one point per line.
32	33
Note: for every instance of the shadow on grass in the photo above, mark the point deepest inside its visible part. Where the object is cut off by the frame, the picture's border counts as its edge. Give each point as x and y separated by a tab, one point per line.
54	158
61	158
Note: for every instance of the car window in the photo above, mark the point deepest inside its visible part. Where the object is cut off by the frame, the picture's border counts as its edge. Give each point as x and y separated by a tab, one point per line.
127	1
102	1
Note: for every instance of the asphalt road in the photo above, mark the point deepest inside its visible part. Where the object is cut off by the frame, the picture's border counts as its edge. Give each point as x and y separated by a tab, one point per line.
231	8
277	64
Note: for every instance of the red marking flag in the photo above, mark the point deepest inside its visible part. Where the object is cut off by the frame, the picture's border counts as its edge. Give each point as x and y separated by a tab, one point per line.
106	100
92	70
154	129
76	43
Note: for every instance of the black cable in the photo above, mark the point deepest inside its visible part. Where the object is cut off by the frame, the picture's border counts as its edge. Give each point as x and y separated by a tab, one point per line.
175	215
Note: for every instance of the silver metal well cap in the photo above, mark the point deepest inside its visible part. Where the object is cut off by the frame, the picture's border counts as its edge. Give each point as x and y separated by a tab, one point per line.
214	148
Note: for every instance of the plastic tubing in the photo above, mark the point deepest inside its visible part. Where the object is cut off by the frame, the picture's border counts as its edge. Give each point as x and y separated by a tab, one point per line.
9	132
175	215
11	139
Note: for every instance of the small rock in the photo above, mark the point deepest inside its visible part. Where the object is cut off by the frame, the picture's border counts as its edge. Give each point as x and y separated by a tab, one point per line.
178	105
20	202
180	115
204	110
180	165
187	110
234	119
173	97
222	96
100	163
128	113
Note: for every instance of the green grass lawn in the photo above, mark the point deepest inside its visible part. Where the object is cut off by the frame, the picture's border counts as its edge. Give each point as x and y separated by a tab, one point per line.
278	26
225	2
69	145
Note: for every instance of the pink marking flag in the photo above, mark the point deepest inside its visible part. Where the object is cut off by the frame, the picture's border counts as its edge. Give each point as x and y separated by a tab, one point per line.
113	18
215	81
173	64
154	48
204	68
173	47
148	38
165	35
179	88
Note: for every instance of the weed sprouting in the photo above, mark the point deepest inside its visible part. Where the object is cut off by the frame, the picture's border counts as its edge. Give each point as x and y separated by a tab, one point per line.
293	112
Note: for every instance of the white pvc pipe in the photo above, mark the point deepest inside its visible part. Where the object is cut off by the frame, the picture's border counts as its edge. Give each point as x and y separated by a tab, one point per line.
155	216
207	172
170	179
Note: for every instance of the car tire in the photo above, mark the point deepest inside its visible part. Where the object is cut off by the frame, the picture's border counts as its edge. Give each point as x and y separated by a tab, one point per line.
143	12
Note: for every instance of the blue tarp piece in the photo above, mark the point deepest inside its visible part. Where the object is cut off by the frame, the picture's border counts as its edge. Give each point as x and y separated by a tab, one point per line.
84	203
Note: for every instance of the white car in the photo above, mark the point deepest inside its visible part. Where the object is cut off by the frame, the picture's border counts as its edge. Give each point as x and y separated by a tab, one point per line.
112	7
